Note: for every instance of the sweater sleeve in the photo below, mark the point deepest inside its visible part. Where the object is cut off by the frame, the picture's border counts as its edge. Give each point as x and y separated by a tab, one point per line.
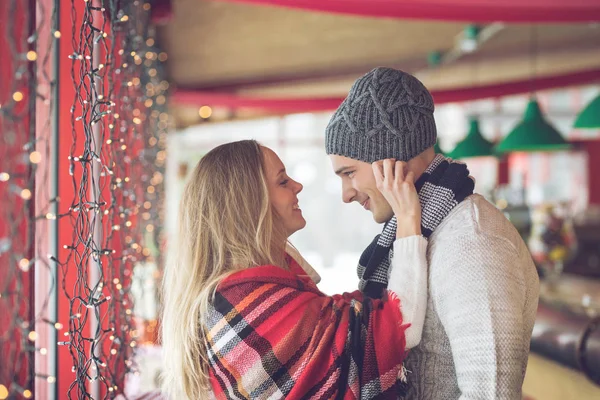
479	291
408	280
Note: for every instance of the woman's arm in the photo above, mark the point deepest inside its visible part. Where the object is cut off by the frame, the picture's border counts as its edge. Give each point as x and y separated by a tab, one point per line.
408	280
408	269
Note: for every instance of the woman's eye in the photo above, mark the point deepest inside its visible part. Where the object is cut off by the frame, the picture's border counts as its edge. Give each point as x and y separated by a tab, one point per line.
284	182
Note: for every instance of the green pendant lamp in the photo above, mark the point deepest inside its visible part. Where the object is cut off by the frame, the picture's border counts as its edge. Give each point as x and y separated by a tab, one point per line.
474	145
533	133
590	116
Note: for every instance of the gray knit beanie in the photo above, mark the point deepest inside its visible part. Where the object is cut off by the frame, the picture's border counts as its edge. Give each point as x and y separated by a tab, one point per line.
387	114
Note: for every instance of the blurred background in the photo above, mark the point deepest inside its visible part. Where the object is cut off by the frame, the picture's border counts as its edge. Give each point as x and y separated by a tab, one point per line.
517	91
254	69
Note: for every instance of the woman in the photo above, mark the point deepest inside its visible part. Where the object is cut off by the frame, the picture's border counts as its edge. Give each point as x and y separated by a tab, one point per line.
242	319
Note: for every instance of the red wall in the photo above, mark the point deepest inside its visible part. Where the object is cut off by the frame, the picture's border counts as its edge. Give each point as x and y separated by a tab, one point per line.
14	210
66	193
592	148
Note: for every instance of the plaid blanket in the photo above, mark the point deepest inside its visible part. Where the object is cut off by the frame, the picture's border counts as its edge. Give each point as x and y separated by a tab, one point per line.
272	334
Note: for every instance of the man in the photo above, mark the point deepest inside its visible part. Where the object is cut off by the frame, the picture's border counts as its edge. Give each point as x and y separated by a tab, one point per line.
483	286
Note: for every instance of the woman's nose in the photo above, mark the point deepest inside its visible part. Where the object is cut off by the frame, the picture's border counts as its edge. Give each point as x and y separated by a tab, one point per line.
299	187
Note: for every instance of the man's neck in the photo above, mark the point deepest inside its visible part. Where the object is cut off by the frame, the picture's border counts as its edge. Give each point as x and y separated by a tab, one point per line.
420	163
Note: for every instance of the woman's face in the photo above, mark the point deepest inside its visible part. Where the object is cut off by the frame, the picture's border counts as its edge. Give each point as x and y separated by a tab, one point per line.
283	192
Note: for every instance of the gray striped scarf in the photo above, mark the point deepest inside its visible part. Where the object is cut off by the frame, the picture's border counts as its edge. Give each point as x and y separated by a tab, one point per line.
443	185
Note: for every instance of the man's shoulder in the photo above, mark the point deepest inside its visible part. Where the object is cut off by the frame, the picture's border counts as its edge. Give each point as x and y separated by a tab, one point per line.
475	216
476	233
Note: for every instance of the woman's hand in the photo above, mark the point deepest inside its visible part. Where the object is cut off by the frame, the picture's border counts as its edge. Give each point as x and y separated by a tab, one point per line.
399	190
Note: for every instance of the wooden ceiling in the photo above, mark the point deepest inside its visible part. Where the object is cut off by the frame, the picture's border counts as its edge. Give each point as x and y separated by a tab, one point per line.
258	49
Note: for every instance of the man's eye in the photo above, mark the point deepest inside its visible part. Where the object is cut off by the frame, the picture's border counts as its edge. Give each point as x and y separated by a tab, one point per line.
349	174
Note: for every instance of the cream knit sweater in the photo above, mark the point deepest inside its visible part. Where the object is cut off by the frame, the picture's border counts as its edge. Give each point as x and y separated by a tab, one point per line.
482	300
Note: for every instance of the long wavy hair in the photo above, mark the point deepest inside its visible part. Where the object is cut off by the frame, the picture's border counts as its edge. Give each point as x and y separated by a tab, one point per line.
225	224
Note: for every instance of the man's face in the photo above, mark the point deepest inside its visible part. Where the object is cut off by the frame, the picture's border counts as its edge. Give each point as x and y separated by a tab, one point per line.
358	184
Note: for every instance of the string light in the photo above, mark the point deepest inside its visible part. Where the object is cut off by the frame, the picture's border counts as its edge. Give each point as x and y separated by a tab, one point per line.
35	157
18	142
205	112
112	48
131	123
26	194
24	264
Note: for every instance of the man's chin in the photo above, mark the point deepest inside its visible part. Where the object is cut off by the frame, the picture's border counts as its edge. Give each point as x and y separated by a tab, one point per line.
379	219
382	218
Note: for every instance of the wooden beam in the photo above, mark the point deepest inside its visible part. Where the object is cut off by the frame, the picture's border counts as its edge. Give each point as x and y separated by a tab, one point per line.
349	73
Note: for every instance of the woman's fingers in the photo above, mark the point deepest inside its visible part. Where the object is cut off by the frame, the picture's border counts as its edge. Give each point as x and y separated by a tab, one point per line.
378	172
410	177
388	172
399	171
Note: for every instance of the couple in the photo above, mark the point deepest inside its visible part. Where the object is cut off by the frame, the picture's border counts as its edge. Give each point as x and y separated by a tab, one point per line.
448	291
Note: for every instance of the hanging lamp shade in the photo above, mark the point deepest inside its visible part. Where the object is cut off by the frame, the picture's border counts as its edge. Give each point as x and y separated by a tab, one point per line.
589	117
474	145
533	133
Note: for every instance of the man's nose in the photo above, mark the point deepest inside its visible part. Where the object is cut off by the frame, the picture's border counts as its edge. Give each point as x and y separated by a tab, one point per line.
348	193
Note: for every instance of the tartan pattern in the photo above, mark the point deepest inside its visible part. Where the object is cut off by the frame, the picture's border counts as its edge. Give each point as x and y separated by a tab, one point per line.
272	334
443	185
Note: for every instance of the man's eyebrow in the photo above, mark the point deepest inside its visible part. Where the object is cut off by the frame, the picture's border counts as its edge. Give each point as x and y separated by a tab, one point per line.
342	169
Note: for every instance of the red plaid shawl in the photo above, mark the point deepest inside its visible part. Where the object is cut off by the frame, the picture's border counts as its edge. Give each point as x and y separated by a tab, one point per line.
273	334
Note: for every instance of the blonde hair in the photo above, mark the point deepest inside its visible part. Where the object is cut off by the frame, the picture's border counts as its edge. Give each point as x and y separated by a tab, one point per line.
225	224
